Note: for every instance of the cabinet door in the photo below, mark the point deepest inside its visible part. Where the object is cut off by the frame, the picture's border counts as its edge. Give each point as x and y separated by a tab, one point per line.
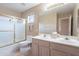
34	49
57	53
43	51
69	50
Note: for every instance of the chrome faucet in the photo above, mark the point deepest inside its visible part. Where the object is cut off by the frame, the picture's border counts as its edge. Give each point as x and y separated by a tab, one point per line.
67	38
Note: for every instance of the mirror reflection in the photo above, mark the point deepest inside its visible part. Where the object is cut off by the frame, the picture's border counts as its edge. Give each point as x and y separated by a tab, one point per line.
61	20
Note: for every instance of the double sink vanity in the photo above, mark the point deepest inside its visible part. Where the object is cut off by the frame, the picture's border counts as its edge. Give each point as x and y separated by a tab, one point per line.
43	45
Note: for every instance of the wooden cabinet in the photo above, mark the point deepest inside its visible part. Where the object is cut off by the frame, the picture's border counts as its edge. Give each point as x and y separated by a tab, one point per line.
35	50
64	49
43	48
57	53
56	50
46	48
40	48
35	47
43	51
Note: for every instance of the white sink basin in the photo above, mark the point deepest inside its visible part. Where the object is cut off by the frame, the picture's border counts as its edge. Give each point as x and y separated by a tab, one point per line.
64	40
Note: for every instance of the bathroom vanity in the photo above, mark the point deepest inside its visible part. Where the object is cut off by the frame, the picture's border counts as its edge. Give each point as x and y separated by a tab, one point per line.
48	46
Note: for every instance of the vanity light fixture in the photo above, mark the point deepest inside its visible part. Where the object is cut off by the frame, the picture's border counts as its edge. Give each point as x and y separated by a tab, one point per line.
50	6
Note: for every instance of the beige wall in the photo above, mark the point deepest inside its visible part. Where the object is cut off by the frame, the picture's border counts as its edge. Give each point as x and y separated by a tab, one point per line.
48	23
5	11
35	10
75	18
75	21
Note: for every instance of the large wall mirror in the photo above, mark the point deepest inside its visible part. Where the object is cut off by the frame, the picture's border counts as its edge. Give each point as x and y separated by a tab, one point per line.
47	23
58	20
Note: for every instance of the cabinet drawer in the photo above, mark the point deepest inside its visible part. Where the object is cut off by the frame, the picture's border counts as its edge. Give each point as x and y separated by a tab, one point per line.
43	43
65	48
58	53
34	41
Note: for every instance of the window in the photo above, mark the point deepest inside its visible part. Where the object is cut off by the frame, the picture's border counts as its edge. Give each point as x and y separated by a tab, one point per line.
30	19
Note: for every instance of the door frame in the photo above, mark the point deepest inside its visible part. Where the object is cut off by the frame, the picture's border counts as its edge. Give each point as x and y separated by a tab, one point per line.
59	26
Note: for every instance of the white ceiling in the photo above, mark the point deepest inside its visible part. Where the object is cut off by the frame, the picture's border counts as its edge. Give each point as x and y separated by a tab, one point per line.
18	7
65	8
21	7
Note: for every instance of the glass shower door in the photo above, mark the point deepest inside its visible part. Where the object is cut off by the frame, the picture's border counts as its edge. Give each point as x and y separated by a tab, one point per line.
11	31
6	31
19	31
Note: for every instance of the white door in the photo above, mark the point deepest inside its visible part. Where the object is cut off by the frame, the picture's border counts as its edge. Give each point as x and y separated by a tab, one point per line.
65	26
